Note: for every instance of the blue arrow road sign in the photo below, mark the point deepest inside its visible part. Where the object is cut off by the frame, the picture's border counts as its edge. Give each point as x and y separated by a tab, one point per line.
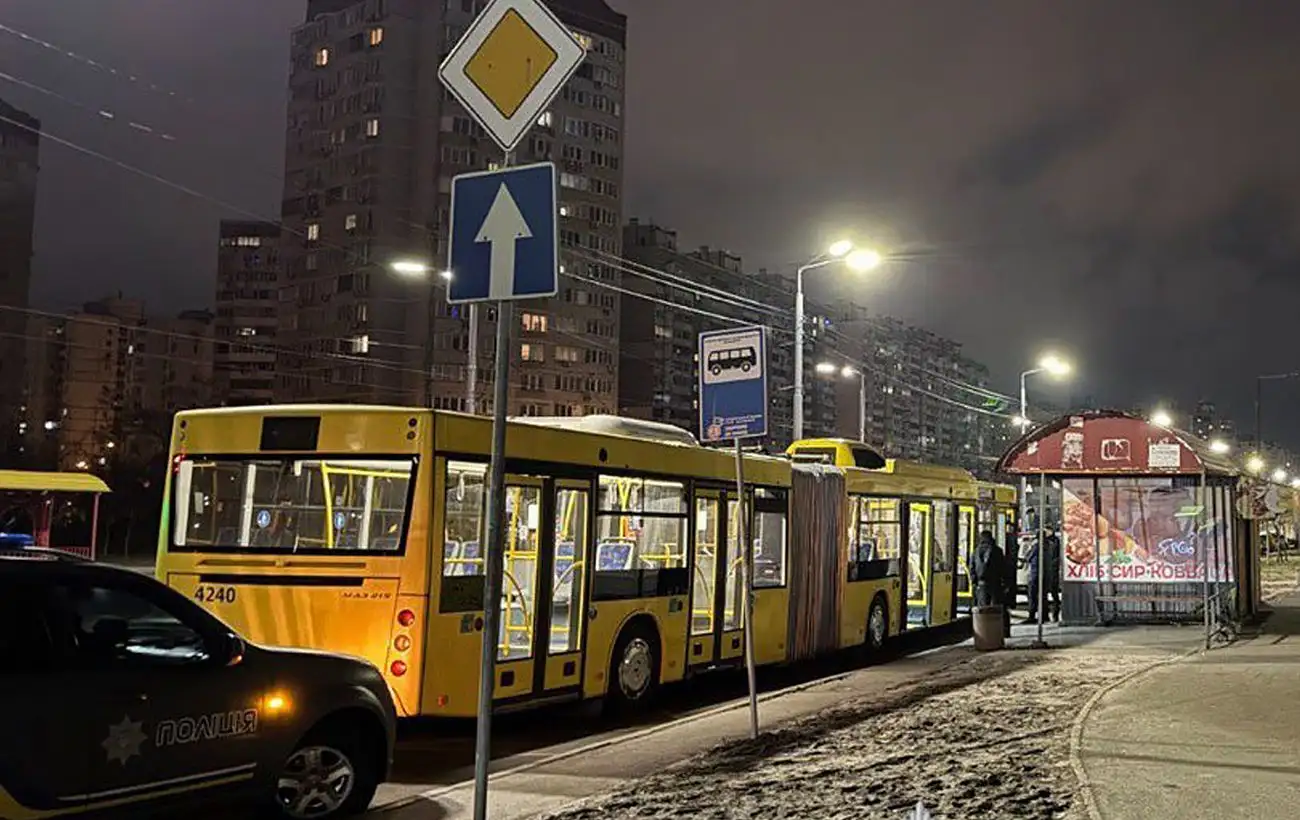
504	235
733	384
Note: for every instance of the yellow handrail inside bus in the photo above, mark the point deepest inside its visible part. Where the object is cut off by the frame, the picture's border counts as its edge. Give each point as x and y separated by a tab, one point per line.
527	628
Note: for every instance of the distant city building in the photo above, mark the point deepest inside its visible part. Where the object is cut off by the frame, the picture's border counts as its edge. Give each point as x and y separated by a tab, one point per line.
111	380
681	294
247	325
1210	425
925	398
373	142
19	166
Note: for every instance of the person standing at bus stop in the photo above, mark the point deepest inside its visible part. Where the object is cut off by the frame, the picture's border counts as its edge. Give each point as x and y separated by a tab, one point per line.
988	571
1051	577
1010	568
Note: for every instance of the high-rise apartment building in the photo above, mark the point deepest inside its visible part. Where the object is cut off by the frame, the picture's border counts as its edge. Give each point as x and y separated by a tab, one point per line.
110	380
674	296
924	397
19	165
1210	425
246	326
373	143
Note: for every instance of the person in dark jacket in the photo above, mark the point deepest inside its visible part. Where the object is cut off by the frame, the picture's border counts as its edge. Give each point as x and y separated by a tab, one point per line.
988	571
1032	560
1011	569
1051	577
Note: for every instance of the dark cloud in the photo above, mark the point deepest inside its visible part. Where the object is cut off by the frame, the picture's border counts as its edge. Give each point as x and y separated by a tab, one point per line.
1118	179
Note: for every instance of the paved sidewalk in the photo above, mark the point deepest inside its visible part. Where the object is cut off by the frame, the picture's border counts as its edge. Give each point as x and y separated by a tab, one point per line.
1211	737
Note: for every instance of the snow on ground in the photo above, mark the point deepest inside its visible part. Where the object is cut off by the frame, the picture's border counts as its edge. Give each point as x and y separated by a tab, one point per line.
986	738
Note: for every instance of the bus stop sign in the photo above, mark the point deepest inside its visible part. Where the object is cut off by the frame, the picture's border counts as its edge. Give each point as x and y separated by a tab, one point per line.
733	384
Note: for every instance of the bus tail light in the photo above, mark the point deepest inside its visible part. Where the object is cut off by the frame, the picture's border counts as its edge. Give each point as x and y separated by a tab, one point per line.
401	643
398	668
406	617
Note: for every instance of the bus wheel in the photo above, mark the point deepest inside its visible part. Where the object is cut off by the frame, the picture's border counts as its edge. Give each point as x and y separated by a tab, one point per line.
877	625
634	669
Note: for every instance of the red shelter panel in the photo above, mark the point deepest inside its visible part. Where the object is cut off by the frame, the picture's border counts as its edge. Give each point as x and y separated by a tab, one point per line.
1107	443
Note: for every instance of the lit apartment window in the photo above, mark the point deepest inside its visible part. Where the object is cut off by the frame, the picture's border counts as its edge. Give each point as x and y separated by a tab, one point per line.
247	331
350	222
534	322
322	56
532	353
376	35
566	354
361	344
313	231
584	39
546	120
372	127
564	210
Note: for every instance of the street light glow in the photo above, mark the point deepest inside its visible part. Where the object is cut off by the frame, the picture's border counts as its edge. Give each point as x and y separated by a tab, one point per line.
1255	464
863	260
409	267
848	372
1161	418
825	368
1279	475
1220	446
1055	365
446	274
840	248
1020	421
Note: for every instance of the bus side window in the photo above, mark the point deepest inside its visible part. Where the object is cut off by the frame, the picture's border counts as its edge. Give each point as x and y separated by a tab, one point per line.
463	519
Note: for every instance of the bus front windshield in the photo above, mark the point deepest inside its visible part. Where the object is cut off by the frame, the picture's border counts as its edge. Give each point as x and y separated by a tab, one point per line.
291	504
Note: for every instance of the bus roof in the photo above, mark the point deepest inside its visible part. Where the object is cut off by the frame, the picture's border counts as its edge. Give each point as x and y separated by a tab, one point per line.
34	481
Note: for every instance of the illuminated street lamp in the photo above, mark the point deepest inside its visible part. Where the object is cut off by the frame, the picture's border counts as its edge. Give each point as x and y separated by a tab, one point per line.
1255	464
1279	475
859	261
1220	446
1052	365
848	372
409	267
1161	418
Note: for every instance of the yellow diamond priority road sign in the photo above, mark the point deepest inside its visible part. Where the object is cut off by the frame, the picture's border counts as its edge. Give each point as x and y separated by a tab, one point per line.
513	60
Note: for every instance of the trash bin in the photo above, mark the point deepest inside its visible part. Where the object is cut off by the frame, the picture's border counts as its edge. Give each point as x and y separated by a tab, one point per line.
986	623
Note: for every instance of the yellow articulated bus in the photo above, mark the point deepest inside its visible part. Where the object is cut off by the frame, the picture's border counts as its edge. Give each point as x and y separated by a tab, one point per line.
936	511
360	530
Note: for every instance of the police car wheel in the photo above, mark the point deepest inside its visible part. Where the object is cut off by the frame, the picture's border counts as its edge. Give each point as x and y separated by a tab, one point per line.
329	775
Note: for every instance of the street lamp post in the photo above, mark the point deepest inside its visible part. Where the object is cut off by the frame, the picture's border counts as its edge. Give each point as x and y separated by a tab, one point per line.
1058	367
411	268
842	251
848	372
1259	397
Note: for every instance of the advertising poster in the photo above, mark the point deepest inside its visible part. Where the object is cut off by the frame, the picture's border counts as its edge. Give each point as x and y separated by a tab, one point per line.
1148	532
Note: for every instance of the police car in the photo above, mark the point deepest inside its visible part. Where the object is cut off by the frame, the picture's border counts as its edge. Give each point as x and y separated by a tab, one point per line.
120	697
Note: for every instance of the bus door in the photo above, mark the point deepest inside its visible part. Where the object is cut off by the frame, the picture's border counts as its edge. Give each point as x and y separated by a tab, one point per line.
523	535
562	602
919	531
965	558
731	586
708	557
942	586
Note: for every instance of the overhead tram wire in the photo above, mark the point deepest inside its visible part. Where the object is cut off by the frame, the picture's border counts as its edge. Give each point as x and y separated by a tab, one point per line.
728	299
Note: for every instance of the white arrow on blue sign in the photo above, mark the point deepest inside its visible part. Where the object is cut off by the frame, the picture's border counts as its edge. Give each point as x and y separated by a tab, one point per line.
504	235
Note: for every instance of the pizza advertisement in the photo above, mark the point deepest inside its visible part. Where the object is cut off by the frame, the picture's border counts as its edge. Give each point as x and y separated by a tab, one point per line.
1148	531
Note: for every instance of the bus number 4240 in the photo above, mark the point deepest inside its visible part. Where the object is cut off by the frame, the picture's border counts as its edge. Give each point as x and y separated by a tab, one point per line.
220	595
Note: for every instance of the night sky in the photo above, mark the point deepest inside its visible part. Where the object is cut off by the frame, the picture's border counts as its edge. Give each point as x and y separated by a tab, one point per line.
1113	179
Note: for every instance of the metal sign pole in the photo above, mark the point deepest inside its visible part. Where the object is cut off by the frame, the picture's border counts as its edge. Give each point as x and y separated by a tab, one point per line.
1039	643
747	544
494	566
1200	533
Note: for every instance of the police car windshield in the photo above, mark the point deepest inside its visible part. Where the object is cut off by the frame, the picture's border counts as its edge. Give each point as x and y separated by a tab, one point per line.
291	504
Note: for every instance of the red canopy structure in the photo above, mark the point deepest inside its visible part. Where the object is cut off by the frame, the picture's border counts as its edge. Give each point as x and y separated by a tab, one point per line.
1148	520
1106	442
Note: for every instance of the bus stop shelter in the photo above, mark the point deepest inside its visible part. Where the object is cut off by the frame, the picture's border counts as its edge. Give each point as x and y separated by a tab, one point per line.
56	510
1149	525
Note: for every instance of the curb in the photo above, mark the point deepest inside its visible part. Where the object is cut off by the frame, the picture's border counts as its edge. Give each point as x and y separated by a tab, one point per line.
1076	728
